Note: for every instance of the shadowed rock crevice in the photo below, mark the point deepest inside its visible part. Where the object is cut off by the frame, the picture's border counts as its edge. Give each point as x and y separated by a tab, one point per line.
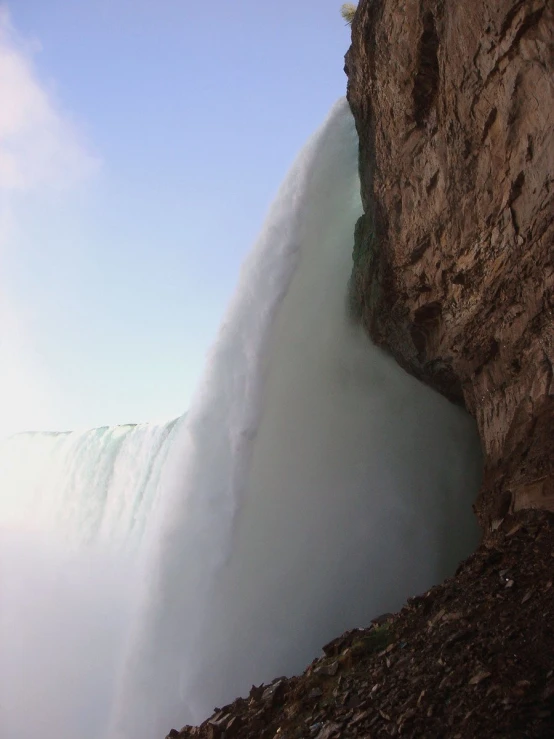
427	77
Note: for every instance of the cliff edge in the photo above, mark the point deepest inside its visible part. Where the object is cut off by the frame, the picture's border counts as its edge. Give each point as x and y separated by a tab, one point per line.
454	258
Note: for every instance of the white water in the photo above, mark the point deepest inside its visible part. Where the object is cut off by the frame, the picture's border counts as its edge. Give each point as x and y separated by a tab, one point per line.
92	485
312	485
73	507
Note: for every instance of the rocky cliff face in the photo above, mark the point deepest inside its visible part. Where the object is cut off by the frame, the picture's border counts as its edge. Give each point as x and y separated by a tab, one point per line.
454	259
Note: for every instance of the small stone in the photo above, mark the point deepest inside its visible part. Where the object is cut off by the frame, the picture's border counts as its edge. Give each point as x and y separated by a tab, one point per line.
437	618
219	721
359	717
329	731
452	616
479	677
274	692
256	692
330	670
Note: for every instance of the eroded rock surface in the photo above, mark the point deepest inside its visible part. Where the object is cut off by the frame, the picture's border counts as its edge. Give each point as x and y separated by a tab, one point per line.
454	273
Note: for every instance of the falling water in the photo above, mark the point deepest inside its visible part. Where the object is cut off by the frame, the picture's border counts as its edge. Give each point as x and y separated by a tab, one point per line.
73	509
97	484
316	485
311	486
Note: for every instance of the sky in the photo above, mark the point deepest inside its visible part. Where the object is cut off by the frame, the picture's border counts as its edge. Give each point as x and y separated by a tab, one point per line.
141	144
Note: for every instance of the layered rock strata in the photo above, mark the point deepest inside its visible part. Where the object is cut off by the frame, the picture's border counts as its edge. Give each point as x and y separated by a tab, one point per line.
454	258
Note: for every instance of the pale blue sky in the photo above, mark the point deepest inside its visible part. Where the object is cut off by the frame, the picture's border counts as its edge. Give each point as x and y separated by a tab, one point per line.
164	132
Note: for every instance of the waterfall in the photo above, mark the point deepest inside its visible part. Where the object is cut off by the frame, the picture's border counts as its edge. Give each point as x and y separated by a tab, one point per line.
94	484
156	572
73	510
317	485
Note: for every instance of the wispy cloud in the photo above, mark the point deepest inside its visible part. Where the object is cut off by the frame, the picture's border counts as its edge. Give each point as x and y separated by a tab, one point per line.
39	144
41	151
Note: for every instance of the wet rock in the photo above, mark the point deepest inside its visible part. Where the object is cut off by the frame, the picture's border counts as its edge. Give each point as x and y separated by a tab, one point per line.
256	692
273	694
330	669
479	677
454	257
315	694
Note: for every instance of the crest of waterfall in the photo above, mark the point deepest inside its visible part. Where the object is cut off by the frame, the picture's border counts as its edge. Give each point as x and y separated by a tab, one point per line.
98	484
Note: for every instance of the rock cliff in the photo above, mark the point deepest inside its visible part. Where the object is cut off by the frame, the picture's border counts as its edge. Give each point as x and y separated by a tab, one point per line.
454	258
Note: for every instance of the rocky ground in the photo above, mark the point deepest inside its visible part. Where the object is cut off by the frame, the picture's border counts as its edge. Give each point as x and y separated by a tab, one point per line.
473	657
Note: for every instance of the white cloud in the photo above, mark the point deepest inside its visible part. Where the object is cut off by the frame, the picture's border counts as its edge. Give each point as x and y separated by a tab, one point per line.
41	151
39	144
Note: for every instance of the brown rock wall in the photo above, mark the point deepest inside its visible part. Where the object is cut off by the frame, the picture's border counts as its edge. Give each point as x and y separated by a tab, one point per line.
454	259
